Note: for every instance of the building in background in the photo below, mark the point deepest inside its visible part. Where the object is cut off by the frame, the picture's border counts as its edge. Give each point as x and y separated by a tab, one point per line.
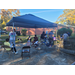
38	31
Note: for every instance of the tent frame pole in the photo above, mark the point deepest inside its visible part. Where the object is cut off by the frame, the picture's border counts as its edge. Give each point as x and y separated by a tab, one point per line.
0	33
13	39
56	34
35	29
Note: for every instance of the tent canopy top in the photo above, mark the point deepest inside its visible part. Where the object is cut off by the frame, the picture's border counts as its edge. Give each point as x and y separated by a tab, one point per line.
30	21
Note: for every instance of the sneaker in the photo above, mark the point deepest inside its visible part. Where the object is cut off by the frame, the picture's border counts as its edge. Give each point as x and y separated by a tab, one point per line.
49	46
16	52
13	51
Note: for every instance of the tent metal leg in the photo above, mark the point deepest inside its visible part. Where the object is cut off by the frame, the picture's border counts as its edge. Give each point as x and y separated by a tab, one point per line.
13	39
56	36
35	31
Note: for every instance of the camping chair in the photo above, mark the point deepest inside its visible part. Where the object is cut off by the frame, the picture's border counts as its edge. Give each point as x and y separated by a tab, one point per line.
25	49
8	52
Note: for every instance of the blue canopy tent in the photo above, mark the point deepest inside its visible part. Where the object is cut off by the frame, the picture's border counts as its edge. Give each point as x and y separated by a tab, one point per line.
30	21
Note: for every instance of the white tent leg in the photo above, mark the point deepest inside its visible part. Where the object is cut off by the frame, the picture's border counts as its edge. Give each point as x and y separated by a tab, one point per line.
13	27
13	39
0	33
56	35
35	31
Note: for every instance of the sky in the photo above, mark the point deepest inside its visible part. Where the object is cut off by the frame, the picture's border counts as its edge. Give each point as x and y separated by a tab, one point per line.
47	14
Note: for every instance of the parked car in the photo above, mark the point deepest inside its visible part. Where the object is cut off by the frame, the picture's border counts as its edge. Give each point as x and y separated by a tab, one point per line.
3	32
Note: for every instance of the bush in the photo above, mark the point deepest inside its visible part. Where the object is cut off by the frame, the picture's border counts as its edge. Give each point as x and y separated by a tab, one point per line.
72	37
63	30
24	32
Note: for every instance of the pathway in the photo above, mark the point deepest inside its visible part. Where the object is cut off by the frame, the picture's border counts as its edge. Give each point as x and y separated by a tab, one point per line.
38	57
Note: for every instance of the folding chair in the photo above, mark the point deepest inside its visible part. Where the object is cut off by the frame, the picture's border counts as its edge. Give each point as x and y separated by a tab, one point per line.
25	49
8	52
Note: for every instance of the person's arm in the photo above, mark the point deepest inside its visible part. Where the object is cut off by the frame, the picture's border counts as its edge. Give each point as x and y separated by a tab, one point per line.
67	36
63	36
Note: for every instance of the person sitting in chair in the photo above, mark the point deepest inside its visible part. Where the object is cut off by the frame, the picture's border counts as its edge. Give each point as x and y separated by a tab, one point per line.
35	40
11	46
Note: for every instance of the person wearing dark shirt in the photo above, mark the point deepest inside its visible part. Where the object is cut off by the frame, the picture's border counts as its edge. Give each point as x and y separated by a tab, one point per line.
35	39
43	35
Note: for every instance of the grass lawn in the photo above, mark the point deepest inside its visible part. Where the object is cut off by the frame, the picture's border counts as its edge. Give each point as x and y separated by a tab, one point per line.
24	38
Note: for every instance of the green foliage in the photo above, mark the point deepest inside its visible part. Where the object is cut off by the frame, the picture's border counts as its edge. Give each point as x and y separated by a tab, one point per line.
72	37
61	31
24	32
6	15
68	17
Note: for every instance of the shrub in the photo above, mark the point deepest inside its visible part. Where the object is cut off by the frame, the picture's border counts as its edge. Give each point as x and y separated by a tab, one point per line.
24	32
72	37
63	30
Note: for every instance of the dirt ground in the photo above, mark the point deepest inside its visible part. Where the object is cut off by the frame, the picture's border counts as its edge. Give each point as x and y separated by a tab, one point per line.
44	56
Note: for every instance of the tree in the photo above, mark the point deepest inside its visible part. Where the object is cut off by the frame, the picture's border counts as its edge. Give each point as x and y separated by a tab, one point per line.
68	17
1	23
24	32
7	14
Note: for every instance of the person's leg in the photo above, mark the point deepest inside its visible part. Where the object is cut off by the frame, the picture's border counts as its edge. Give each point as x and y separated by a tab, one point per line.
64	43
33	42
14	47
13	43
52	41
49	41
45	40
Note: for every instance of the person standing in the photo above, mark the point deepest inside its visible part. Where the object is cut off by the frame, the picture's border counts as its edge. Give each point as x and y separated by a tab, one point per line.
51	34
65	36
42	36
69	34
12	38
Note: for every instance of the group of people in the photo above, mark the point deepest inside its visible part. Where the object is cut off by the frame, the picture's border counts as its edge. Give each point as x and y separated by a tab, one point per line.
34	42
10	41
47	38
